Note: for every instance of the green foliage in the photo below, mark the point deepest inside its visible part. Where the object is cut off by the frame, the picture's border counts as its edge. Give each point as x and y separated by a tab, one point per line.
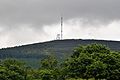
32	53
46	74
93	61
11	69
48	69
90	49
90	62
50	62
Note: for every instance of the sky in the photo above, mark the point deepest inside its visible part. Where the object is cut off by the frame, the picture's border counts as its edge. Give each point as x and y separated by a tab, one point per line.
31	21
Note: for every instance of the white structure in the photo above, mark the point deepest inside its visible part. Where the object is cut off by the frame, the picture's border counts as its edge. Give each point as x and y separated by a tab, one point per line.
58	37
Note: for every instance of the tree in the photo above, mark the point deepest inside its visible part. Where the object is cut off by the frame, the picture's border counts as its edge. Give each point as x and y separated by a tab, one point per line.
48	69
50	62
113	65
93	61
11	69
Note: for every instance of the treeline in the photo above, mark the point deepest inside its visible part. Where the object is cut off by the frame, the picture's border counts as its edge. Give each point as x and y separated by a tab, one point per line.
95	61
22	53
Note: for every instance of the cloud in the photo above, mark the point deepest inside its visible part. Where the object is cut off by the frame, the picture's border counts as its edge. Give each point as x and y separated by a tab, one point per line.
72	29
29	21
76	29
42	12
19	36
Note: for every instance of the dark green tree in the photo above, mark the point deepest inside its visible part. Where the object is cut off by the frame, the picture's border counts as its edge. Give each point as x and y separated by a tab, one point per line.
93	61
11	69
48	69
50	62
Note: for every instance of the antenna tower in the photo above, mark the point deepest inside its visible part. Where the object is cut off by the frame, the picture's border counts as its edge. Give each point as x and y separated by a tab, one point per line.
61	28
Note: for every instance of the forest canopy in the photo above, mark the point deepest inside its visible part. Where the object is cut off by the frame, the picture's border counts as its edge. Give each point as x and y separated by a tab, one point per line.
93	61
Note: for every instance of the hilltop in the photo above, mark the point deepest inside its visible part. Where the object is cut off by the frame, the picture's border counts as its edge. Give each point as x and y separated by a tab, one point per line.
60	48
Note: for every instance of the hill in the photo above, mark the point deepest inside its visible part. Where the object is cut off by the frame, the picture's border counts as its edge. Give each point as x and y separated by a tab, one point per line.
61	48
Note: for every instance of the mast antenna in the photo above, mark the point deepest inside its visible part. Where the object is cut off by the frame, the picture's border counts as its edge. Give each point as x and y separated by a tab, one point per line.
61	28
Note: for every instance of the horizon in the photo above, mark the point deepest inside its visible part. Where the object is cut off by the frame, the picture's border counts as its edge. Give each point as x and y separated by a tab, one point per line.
57	40
30	21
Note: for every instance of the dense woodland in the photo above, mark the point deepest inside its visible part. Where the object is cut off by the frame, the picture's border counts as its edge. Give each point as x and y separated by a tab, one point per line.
90	62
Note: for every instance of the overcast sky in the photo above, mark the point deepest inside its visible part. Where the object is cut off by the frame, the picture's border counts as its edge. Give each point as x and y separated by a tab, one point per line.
31	21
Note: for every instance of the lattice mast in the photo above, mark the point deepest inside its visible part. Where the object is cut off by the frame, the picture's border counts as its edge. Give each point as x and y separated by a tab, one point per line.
61	28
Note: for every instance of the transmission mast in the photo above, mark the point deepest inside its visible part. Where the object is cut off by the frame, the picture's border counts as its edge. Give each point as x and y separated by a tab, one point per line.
61	28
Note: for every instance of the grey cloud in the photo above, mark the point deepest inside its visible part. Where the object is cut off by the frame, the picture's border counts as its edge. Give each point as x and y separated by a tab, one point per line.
44	12
23	21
